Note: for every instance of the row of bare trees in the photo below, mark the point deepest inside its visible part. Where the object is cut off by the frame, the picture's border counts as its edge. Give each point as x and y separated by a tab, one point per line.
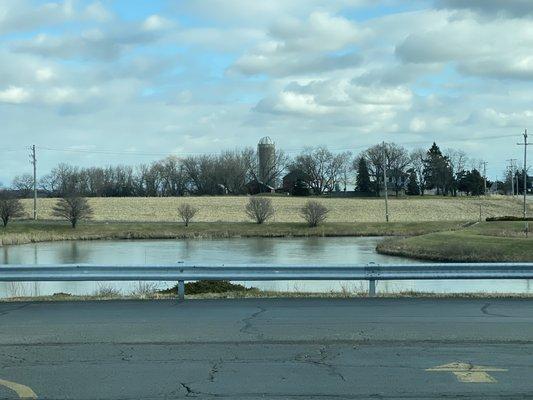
225	173
229	172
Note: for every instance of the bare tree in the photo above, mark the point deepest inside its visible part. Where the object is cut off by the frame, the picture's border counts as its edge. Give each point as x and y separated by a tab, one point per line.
73	209
187	212
457	160
314	213
324	169
259	209
418	162
275	169
23	184
10	207
398	162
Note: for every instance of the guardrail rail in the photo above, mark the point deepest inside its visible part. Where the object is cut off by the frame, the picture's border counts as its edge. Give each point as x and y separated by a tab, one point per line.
191	272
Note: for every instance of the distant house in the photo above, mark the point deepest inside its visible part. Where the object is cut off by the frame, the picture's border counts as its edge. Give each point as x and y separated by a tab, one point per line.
291	178
257	187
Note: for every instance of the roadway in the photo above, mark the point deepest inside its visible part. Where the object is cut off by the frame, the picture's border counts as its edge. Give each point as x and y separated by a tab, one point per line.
268	348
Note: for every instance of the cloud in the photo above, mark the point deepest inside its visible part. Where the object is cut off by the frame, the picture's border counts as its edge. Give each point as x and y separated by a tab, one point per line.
92	44
339	103
202	76
262	13
513	8
97	11
478	48
156	23
14	95
319	44
25	15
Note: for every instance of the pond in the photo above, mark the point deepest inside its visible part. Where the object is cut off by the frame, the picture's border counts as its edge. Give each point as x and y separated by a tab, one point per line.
322	251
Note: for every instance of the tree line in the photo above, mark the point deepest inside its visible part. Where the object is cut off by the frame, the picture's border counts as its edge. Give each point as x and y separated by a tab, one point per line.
318	170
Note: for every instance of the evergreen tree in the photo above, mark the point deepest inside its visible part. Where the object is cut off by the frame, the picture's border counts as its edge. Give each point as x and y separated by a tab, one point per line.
477	184
472	183
412	185
437	172
300	188
363	184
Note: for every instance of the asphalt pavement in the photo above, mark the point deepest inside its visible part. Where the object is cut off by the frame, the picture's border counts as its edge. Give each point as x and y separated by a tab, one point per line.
268	348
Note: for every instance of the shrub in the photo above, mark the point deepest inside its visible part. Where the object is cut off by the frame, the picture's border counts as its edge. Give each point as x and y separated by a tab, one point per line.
73	209
10	207
314	213
201	287
187	212
259	209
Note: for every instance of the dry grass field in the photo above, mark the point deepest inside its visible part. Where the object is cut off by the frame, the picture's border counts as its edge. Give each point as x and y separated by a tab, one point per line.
231	208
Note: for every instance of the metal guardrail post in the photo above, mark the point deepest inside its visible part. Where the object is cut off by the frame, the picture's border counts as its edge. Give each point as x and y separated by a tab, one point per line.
371	288
181	290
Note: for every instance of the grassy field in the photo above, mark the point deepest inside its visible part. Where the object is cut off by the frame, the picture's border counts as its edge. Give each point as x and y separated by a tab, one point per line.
20	232
231	208
486	241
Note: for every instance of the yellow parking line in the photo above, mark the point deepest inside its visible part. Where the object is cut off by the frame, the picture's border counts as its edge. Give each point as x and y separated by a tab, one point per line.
24	392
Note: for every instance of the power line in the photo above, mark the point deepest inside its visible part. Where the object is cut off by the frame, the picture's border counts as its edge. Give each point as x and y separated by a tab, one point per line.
186	153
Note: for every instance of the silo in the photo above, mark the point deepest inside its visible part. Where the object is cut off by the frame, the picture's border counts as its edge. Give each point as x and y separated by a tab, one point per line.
266	151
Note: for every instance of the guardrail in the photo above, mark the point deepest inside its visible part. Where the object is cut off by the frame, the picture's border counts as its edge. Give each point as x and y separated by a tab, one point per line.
191	272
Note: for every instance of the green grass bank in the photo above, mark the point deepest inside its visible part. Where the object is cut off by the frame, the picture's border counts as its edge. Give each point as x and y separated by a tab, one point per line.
497	241
21	232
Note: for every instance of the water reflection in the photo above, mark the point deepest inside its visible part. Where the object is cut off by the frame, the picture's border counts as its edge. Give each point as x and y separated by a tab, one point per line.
322	251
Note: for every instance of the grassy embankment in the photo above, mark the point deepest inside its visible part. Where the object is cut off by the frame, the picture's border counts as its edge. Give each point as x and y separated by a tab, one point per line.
20	232
486	241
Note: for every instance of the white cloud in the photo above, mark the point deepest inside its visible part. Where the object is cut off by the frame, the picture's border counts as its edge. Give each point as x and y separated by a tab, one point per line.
514	8
98	12
315	45
155	23
303	71
477	47
417	125
14	95
44	74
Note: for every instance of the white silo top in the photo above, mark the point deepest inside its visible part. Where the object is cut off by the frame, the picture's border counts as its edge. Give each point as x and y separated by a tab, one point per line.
266	140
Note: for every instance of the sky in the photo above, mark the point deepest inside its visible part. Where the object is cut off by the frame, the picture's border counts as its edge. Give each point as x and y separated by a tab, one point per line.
130	81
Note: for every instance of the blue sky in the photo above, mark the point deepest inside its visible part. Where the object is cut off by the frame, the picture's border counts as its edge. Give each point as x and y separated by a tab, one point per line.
106	82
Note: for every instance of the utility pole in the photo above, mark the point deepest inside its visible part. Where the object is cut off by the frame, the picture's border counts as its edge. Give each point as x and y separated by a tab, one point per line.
512	167
33	160
385	183
525	144
485	178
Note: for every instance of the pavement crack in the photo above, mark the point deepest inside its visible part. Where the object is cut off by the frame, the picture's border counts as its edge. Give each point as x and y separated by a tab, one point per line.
322	361
485	310
190	392
214	370
248	327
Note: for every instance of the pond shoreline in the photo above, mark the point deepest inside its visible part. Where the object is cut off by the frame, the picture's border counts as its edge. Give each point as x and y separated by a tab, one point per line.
24	232
483	242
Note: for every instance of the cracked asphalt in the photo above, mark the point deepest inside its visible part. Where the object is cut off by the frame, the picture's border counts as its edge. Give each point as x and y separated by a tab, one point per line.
266	348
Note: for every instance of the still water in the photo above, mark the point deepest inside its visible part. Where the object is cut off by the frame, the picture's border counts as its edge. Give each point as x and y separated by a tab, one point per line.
322	251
